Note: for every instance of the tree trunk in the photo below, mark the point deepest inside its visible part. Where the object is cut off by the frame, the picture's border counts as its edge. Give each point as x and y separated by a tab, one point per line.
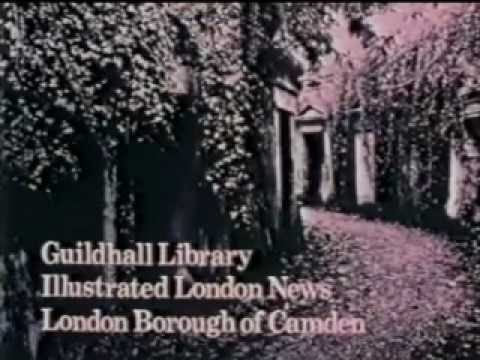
4	201
110	212
3	214
3	251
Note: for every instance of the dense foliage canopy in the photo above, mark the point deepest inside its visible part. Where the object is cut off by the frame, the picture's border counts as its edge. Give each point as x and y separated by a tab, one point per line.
104	71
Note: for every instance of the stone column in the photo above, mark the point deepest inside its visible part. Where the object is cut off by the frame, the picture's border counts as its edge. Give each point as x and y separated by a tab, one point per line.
365	167
327	186
456	178
463	178
277	164
300	163
414	173
283	137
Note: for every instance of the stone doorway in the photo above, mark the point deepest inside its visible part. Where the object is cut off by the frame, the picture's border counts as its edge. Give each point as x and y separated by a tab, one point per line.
314	145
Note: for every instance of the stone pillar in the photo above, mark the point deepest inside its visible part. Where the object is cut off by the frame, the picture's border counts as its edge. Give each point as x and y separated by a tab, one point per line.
463	178
277	164
299	184
472	153
283	148
456	178
300	163
365	167
414	174
327	185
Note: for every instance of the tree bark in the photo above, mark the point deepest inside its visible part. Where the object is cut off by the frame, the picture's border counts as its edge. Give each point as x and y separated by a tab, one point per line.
4	200
3	213
110	211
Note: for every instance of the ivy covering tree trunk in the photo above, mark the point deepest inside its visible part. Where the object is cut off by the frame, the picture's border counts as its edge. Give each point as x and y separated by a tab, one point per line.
4	195
4	198
4	201
110	211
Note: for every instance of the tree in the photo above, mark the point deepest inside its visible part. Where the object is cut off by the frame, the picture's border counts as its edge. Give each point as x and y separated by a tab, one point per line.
4	49
86	70
103	71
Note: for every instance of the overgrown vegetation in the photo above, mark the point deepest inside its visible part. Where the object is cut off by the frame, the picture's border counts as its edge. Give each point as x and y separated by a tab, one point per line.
104	71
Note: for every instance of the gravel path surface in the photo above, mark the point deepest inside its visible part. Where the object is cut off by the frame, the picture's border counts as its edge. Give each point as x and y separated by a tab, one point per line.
406	284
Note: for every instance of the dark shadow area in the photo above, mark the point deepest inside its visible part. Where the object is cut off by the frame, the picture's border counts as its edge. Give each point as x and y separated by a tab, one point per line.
314	145
287	167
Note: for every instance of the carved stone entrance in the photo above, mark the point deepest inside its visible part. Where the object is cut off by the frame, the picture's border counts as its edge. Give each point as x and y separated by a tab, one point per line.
314	157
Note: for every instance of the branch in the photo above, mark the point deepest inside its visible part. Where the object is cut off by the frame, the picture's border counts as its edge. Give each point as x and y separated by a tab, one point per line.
417	75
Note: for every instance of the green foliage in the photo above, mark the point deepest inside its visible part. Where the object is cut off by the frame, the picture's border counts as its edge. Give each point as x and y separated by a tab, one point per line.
413	101
235	120
84	70
105	71
410	99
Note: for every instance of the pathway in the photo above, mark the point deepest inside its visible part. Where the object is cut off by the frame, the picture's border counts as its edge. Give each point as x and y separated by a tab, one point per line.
407	284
